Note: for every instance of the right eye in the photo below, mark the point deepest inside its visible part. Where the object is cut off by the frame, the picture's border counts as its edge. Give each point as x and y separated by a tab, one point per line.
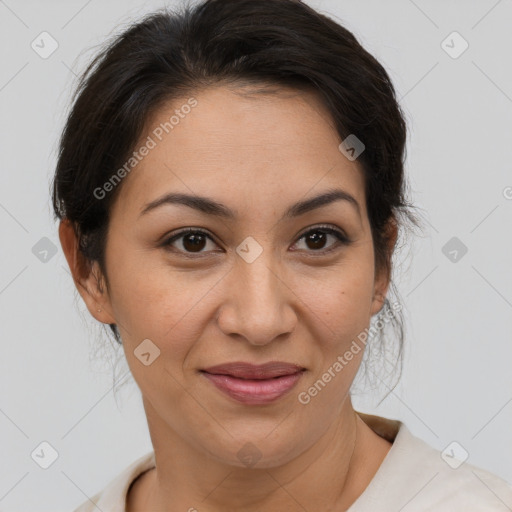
192	240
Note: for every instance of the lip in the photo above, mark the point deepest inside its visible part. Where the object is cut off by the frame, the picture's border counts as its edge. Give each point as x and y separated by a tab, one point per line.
254	384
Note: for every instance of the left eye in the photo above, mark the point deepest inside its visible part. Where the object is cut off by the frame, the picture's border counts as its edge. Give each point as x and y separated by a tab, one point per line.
318	236
193	240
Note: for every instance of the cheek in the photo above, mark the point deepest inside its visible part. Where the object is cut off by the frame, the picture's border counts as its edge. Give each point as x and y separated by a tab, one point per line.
156	302
340	298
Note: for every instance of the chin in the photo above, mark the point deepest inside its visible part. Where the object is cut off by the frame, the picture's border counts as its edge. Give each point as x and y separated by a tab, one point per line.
258	450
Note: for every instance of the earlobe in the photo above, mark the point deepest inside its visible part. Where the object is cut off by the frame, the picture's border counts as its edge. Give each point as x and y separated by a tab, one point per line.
380	288
377	303
383	280
87	278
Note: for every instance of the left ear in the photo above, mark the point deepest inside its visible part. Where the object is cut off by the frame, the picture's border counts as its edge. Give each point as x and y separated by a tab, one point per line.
383	276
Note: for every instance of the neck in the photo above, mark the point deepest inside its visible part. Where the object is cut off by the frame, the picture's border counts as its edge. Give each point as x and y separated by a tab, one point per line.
189	479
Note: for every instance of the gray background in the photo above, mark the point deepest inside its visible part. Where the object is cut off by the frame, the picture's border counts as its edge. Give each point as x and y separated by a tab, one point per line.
57	368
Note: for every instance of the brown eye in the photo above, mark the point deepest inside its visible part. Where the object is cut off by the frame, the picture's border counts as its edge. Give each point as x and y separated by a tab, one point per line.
192	241
316	239
195	241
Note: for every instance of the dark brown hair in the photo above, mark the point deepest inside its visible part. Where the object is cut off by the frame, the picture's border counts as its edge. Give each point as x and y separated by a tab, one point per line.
267	43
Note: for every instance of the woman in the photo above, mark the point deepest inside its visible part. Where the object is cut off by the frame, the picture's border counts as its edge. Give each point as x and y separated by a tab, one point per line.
230	187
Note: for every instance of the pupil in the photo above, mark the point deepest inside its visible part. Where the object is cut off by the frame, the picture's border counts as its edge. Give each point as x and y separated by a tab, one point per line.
316	238
193	242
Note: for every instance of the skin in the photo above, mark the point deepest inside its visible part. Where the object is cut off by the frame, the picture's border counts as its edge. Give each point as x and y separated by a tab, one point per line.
256	155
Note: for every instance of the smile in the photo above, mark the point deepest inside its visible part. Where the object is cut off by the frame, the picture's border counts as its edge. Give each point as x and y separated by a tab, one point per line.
254	385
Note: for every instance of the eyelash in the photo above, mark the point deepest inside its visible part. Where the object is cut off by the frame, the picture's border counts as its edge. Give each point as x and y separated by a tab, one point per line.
341	237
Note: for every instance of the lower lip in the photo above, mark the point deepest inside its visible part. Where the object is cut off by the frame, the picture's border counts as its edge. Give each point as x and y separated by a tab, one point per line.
252	391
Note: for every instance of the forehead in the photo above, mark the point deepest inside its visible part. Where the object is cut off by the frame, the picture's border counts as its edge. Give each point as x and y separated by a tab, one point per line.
243	149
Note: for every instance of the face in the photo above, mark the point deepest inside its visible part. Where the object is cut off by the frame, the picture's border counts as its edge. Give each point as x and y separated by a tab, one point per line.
254	286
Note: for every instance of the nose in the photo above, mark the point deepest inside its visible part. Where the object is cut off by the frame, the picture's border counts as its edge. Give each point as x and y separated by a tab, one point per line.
259	303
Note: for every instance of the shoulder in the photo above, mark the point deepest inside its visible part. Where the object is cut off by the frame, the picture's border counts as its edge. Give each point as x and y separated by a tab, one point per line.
414	476
113	497
444	480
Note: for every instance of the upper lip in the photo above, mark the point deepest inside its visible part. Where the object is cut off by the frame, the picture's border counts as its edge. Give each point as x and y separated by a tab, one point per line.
243	370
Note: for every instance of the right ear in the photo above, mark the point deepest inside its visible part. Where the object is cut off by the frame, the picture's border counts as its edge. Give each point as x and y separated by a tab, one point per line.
88	278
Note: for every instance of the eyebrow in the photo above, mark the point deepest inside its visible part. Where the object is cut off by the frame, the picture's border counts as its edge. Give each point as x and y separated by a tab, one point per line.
211	207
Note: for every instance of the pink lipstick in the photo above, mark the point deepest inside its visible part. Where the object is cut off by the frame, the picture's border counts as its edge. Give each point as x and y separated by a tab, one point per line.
254	384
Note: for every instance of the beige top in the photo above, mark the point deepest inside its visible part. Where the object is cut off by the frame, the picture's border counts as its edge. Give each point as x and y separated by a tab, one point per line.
413	477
